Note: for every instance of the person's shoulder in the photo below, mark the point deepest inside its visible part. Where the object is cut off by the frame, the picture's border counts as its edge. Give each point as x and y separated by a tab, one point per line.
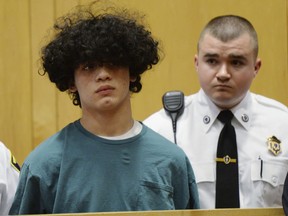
189	99
160	147
47	152
7	159
269	103
45	157
161	114
160	142
3	148
4	153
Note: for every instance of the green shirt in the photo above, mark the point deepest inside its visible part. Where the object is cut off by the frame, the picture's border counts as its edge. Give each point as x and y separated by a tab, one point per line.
75	171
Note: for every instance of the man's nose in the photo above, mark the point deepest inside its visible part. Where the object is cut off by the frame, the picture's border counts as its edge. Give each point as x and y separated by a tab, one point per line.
223	73
102	74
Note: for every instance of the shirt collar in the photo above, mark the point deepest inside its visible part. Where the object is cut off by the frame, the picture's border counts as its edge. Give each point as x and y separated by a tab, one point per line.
209	111
243	111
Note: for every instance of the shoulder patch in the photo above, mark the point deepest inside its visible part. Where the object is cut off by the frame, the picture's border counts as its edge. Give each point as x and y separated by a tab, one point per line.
14	163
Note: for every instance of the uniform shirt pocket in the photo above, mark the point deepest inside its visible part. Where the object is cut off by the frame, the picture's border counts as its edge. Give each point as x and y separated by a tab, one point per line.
204	172
268	180
205	179
155	196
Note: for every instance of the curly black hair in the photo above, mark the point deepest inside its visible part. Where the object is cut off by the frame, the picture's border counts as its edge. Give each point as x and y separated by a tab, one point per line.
85	36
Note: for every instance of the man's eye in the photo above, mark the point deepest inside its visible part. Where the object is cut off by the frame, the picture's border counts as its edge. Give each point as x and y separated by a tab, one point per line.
237	63
211	61
112	66
89	67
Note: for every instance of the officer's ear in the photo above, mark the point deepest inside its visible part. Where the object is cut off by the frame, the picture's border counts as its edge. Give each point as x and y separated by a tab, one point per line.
257	66
196	63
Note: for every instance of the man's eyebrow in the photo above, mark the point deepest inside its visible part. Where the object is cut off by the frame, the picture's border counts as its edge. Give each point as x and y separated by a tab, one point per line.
235	56
211	55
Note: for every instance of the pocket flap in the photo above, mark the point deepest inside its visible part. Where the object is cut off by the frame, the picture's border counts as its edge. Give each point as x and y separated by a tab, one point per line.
273	172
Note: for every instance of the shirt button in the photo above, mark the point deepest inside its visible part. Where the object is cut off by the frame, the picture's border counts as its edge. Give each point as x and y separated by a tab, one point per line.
274	179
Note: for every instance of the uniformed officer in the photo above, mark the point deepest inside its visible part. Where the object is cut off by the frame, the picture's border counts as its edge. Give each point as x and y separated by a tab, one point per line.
226	63
9	175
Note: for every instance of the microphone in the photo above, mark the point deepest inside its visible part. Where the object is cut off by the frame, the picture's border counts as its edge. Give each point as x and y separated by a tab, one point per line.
173	103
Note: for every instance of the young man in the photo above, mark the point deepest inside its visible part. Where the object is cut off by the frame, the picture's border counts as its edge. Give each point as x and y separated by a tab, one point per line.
9	177
106	161
226	63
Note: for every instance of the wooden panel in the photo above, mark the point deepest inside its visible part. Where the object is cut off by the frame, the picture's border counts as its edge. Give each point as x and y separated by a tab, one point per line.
15	77
218	212
44	93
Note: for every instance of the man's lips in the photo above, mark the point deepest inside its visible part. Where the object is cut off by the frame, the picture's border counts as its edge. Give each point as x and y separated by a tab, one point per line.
222	86
104	88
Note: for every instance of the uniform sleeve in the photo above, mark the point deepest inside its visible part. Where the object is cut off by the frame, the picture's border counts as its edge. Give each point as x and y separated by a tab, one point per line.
9	176
28	199
285	196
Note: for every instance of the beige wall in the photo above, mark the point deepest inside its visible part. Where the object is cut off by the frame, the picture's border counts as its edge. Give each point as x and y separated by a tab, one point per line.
32	109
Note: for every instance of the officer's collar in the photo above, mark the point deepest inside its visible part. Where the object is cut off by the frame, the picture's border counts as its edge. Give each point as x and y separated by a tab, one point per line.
209	111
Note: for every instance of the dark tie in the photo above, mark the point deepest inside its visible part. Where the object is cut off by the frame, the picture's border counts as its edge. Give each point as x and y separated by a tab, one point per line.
227	182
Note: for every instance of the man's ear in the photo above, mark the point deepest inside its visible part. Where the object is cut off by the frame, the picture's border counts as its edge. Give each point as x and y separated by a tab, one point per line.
257	66
196	62
72	89
133	79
